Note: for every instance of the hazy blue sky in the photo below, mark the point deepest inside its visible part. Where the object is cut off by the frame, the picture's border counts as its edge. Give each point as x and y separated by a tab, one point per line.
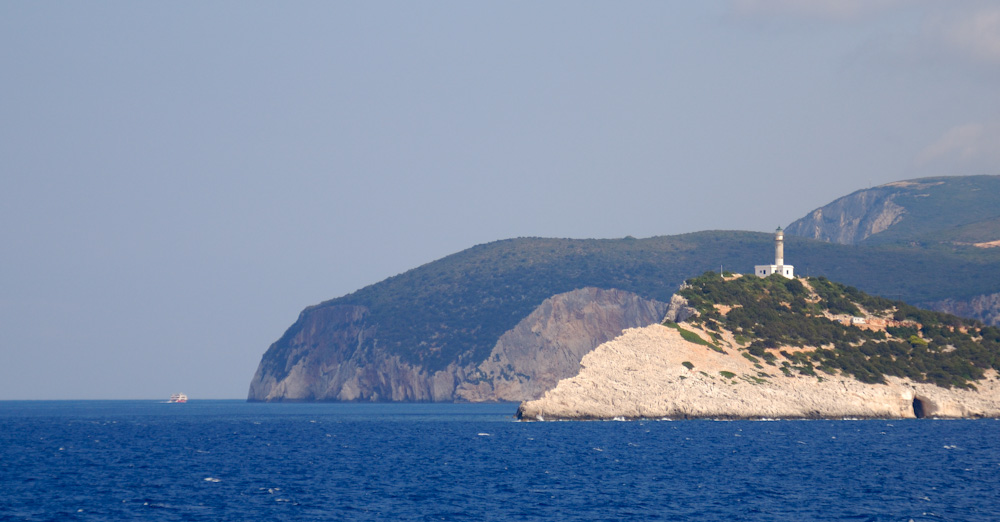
179	179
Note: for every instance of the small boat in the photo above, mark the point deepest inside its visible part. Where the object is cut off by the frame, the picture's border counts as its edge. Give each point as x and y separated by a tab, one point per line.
178	398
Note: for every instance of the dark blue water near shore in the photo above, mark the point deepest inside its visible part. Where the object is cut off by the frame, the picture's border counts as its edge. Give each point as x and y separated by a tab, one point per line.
228	460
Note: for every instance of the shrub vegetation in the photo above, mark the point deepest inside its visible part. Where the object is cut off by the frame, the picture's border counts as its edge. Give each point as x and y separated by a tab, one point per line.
776	313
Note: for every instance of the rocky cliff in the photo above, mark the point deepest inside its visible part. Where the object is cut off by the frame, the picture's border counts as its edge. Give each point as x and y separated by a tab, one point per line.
547	346
654	373
985	308
333	353
958	210
852	218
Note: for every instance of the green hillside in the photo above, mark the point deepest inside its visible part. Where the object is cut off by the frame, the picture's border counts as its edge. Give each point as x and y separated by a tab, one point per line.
458	306
772	316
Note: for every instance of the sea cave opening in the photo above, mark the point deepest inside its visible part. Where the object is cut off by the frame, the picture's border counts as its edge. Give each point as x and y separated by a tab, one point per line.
918	408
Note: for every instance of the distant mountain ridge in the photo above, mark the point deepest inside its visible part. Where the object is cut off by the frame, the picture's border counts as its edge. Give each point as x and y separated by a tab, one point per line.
423	334
952	210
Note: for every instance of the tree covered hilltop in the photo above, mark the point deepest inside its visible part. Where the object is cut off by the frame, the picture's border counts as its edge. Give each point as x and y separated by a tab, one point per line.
807	325
749	347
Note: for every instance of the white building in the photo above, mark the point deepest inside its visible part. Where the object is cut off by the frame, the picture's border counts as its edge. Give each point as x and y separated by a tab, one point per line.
779	266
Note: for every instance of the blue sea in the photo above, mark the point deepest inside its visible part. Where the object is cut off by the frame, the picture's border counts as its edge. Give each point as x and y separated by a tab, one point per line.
231	460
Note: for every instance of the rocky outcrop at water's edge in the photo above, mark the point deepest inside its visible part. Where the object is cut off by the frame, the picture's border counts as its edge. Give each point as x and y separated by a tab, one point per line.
331	353
653	373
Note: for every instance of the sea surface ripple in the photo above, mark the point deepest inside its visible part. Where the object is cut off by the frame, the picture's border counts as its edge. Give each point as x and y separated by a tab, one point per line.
229	460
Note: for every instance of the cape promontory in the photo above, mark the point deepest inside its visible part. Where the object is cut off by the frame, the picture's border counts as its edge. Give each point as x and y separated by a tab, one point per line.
433	333
786	348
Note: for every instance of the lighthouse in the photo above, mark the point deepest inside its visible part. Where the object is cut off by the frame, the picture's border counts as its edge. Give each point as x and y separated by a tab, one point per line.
779	266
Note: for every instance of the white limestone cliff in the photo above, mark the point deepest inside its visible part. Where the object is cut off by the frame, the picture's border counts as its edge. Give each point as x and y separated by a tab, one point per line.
653	373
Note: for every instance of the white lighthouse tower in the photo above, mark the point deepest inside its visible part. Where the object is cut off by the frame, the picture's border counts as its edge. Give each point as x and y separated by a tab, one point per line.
779	266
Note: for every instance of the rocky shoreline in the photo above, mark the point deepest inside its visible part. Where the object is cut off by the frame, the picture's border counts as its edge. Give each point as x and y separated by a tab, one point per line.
654	373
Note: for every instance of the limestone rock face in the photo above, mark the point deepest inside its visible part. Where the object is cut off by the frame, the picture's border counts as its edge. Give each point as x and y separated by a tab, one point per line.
653	372
985	308
679	310
548	344
851	218
332	354
291	368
